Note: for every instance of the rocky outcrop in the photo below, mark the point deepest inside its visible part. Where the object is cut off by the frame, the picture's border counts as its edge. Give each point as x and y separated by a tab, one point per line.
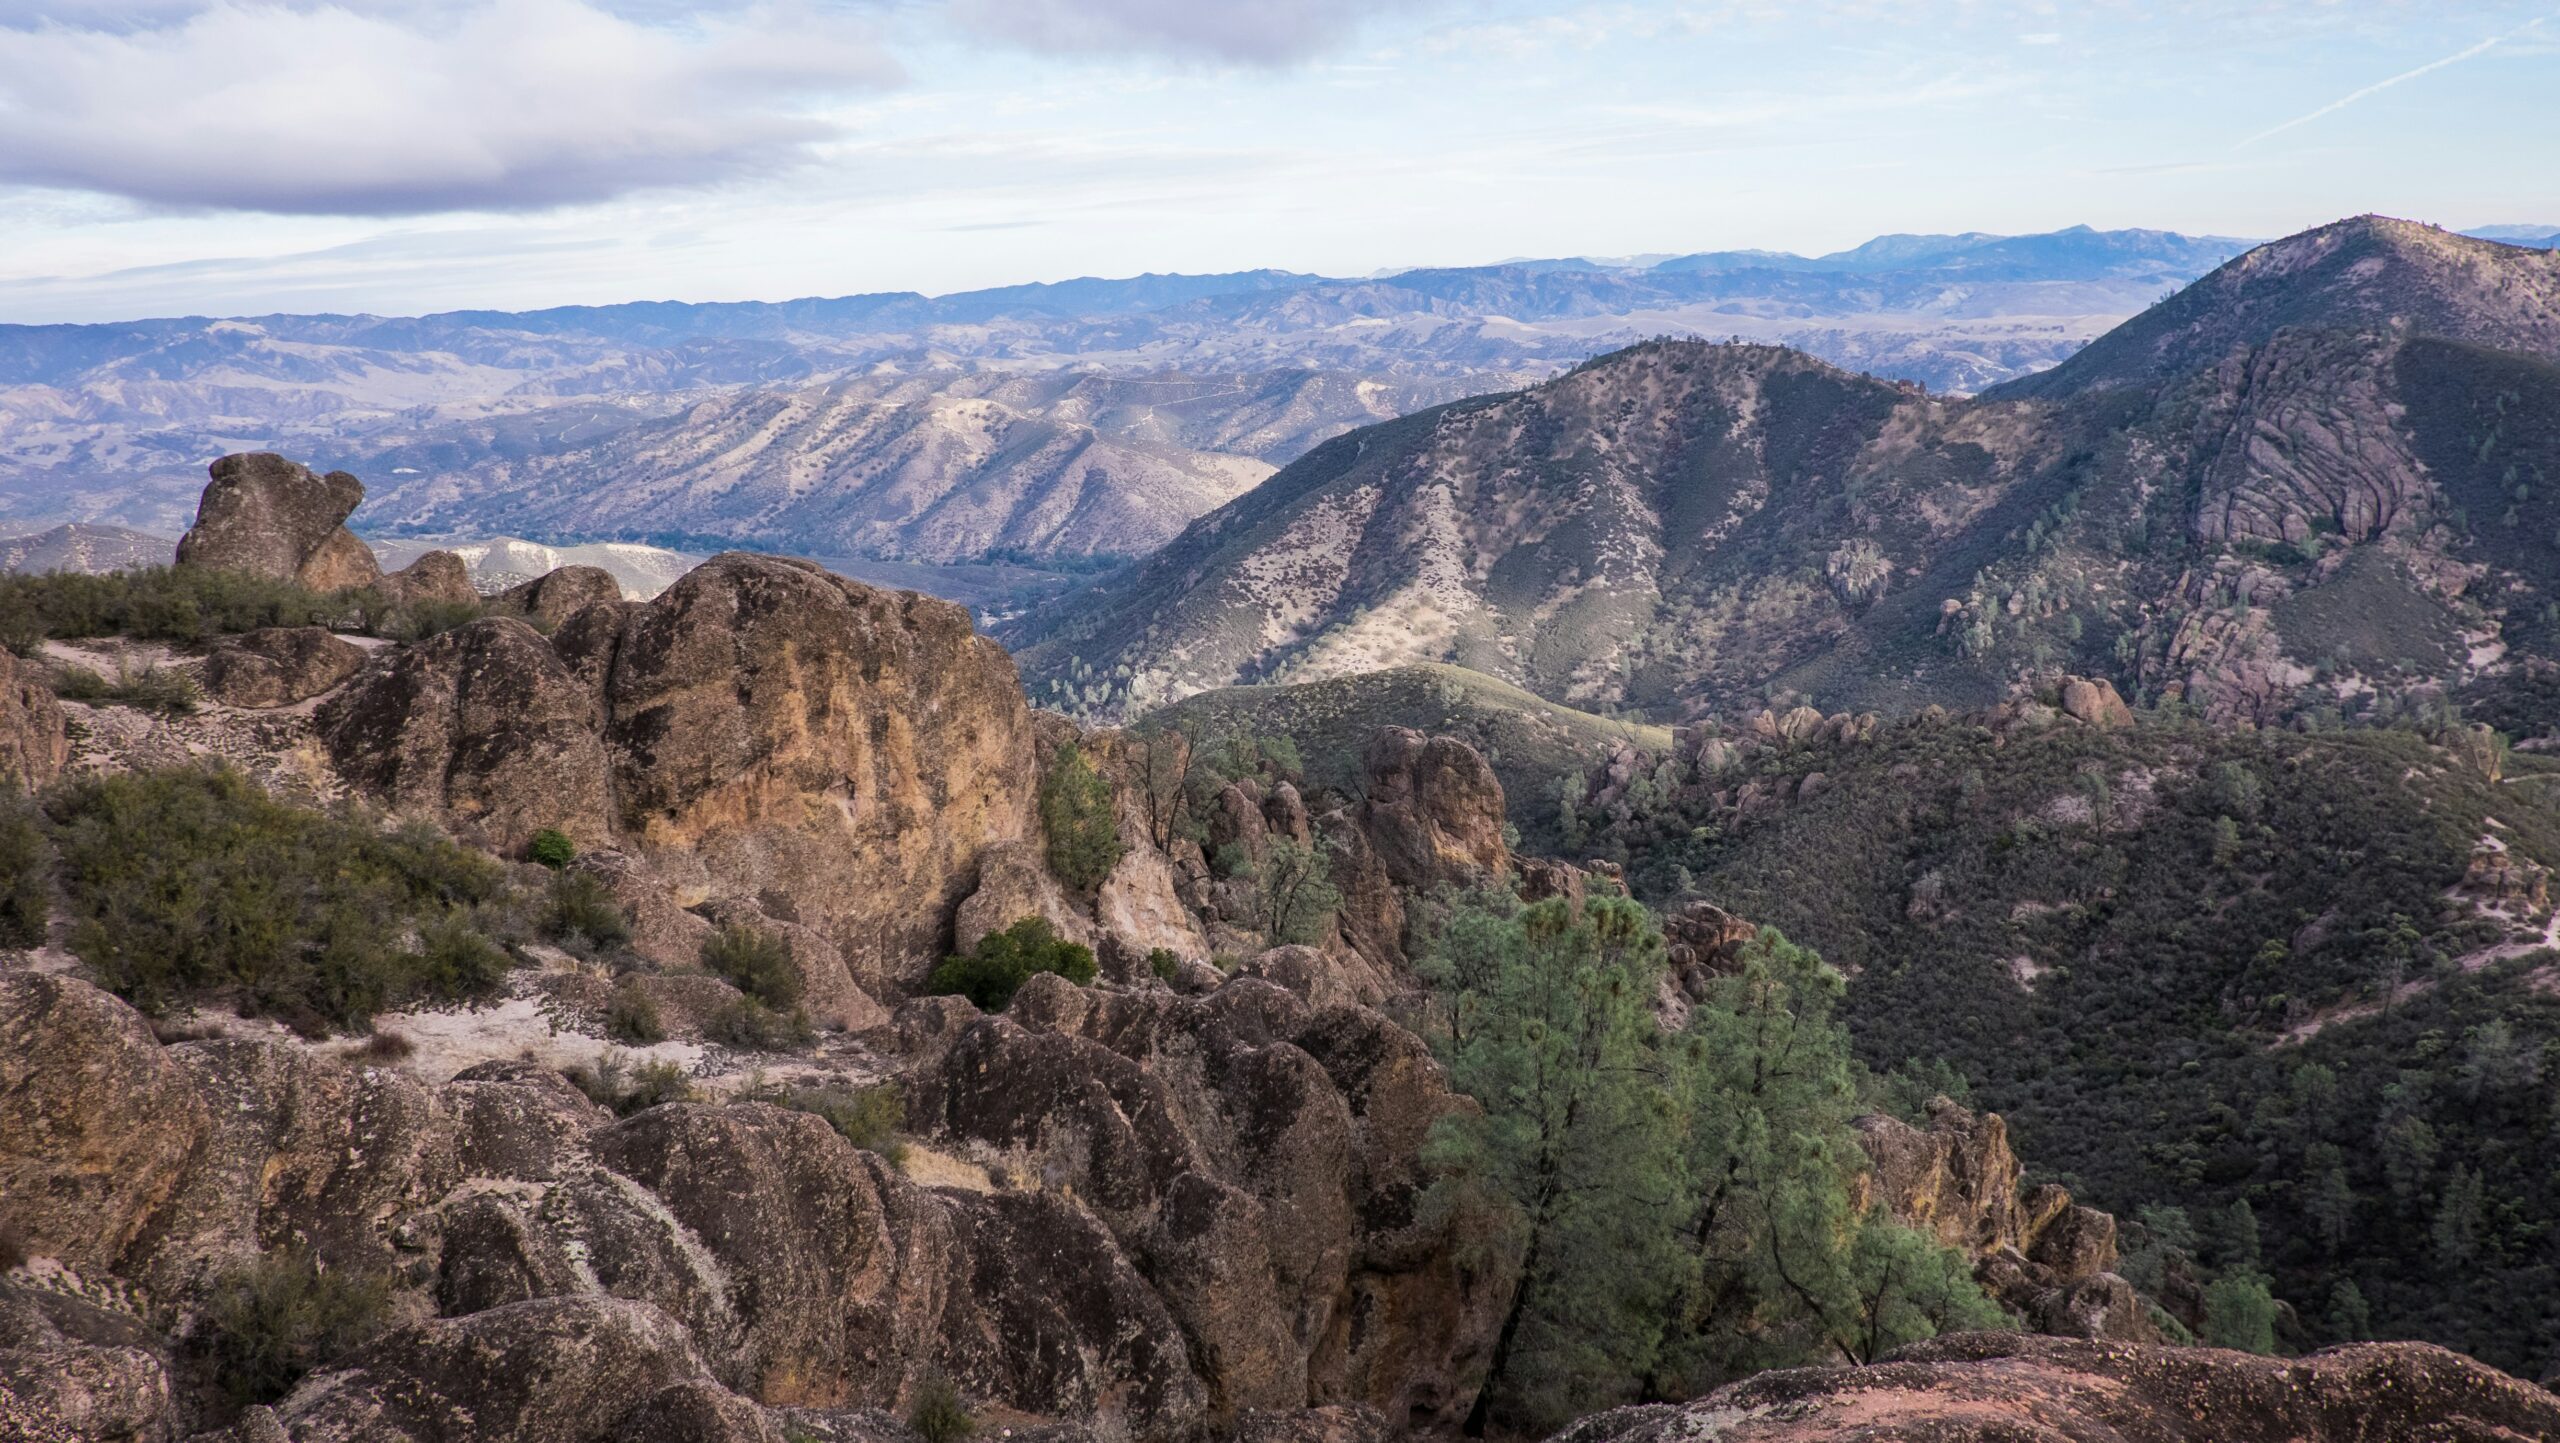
852	749
1430	817
2094	702
279	666
2019	1388
70	1370
97	1125
482	726
2046	1258
555	596
1258	1159
438	578
33	742
272	517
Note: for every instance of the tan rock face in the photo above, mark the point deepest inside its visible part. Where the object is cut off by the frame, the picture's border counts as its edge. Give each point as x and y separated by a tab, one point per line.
33	744
2094	702
272	517
854	750
279	666
2020	1388
2045	1257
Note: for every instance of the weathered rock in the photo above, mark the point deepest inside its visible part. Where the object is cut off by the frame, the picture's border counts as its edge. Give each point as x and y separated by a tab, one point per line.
2042	1255
1324	979
1013	883
279	665
556	1370
1433	810
828	991
272	517
72	1371
2094	702
33	742
482	725
97	1124
855	750
553	597
438	578
2020	1388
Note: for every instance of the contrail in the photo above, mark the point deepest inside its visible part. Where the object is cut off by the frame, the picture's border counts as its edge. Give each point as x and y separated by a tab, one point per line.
2342	102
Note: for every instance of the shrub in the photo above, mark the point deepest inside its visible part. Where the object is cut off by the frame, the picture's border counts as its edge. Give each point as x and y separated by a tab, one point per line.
152	688
385	1046
187	882
867	1117
1005	960
26	876
1077	817
2240	1313
631	1016
13	1249
1165	963
552	848
756	962
582	915
751	1026
270	1322
612	1082
937	1414
156	603
456	961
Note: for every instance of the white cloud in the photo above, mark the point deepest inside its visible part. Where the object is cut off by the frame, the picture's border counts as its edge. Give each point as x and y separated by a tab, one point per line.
397	109
1251	32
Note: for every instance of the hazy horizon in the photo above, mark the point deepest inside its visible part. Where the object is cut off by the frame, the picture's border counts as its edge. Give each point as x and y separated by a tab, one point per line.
239	157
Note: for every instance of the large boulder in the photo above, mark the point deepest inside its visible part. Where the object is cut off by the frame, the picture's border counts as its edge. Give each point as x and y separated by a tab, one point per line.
1433	810
279	665
272	517
555	596
34	743
554	1370
97	1125
70	1370
854	750
482	726
2019	1388
438	578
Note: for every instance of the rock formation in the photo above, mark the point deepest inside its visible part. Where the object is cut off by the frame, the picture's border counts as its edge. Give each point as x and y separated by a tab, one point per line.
272	517
555	596
2046	1258
33	744
438	578
2018	1388
279	666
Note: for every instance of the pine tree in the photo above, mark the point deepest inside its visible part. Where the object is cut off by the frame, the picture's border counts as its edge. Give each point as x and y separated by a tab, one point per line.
1076	816
1577	1151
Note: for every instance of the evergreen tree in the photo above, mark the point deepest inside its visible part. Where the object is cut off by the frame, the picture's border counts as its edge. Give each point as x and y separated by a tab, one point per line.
1076	816
1576	1155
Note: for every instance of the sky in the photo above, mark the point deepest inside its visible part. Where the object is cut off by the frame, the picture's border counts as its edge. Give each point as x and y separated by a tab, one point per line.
238	157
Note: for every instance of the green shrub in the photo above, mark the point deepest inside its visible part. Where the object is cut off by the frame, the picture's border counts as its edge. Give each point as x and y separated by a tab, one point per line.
937	1414
152	688
756	962
187	882
867	1117
156	603
1005	960
1165	963
268	1323
751	1026
1076	815
26	875
456	961
552	848
631	1016
2240	1313
612	1082
581	914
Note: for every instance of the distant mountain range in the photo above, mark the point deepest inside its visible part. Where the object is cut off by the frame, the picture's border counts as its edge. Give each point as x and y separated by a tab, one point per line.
1086	417
2326	475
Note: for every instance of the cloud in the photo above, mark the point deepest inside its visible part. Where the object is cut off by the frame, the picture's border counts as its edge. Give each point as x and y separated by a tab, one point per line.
361	108
1243	32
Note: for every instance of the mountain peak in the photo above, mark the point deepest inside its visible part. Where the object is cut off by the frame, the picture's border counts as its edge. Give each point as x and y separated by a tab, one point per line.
2371	273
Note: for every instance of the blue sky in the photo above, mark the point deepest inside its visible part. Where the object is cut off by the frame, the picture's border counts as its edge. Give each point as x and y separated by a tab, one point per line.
235	156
